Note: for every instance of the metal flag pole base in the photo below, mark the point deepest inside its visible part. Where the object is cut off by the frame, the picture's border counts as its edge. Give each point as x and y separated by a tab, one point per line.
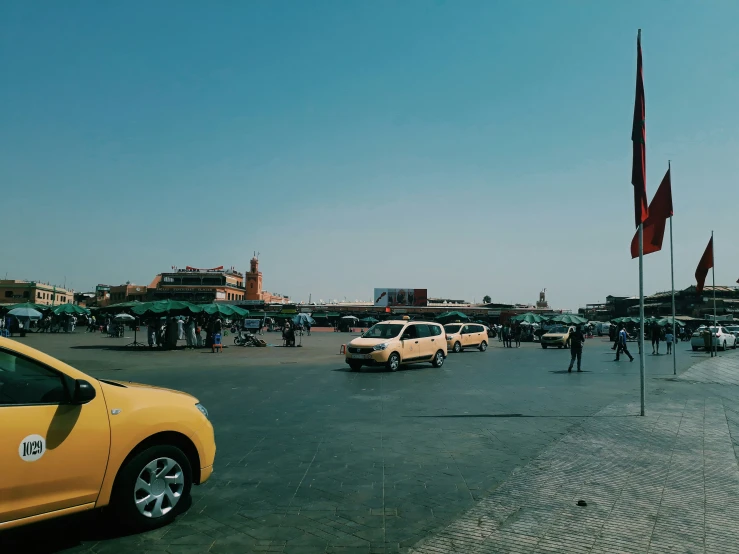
135	343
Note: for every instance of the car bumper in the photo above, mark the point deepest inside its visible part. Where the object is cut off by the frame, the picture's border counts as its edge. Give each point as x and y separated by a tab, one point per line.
557	342
205	473
378	357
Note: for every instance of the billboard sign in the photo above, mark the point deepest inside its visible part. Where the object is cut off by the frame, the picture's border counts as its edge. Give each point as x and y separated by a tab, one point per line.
400	297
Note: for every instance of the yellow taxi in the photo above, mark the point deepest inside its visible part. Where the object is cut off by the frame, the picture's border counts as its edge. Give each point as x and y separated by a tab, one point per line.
466	335
70	443
395	343
558	336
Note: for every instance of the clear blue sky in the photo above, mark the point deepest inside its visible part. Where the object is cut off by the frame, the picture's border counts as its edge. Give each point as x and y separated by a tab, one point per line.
469	147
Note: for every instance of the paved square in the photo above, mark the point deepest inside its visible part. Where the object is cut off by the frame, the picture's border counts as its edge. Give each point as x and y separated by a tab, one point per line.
482	452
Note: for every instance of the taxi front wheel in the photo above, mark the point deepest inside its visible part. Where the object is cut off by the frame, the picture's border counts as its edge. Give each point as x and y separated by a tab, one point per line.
152	487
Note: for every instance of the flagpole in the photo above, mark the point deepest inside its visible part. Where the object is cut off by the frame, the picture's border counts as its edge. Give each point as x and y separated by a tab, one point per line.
642	356
672	275
713	276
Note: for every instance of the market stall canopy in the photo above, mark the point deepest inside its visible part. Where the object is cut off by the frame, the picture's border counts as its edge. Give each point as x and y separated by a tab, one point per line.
668	321
27	313
70	309
166	307
369	320
529	317
568	319
224	309
452	316
350	317
121	306
31	305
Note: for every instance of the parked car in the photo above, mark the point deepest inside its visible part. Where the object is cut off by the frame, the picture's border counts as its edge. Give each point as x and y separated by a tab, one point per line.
734	330
558	336
721	338
395	343
466	335
72	443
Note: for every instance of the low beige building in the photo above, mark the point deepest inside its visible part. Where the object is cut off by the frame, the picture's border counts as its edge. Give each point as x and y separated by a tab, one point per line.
14	291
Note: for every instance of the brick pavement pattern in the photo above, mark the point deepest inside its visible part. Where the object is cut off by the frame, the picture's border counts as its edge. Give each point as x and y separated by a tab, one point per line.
668	482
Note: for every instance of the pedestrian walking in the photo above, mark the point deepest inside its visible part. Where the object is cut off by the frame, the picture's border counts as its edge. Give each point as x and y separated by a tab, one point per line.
517	334
622	347
669	337
577	341
500	333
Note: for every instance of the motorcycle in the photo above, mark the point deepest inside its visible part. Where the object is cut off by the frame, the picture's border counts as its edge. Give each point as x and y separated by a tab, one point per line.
246	339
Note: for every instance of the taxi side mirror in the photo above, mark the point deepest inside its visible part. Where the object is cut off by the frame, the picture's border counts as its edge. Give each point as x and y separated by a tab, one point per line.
80	391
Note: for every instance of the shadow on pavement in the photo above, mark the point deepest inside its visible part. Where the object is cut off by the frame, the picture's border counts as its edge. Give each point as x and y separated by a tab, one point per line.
64	533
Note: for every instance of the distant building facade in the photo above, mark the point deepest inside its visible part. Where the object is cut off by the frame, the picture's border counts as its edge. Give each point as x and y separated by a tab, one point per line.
128	293
18	291
198	285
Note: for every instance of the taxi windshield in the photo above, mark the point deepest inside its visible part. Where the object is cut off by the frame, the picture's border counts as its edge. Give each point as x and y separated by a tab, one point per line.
452	328
384	331
561	330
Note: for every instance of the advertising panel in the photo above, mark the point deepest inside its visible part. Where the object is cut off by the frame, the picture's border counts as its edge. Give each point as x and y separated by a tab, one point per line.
401	297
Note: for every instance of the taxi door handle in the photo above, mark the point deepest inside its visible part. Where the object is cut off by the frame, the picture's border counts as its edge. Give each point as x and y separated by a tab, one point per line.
416	342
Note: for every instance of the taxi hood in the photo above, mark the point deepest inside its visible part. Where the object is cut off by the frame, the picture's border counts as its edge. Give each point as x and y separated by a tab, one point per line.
140	386
363	342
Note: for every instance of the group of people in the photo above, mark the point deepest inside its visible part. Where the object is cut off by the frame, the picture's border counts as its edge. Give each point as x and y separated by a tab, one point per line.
196	331
656	333
510	333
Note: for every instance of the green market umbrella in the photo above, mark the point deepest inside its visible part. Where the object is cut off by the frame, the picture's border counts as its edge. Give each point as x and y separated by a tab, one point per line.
569	319
450	316
70	309
369	320
224	309
166	307
528	318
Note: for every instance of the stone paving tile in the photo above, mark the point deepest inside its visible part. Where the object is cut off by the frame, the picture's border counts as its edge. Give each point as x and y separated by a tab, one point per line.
656	484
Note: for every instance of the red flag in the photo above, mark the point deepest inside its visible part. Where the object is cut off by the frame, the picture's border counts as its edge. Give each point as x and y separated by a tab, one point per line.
705	264
660	209
639	143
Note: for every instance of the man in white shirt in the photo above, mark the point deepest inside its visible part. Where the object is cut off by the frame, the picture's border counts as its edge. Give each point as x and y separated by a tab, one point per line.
622	336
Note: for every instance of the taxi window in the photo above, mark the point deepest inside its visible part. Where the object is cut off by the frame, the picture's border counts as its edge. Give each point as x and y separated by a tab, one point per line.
24	382
466	330
423	331
410	333
435	330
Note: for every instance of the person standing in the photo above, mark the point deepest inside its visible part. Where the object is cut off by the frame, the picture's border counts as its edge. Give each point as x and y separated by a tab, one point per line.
622	347
518	335
180	329
707	340
656	332
669	337
577	341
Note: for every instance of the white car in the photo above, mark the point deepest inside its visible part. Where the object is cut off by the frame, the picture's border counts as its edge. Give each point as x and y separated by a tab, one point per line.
722	338
734	330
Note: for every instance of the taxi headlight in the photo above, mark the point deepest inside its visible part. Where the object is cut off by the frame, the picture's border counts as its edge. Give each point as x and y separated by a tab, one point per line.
382	346
202	409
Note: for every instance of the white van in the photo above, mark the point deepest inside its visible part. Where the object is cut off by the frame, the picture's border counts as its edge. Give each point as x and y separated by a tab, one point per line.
602	328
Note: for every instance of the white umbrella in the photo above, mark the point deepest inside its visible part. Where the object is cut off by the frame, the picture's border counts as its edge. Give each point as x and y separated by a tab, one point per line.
349	317
124	317
28	313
